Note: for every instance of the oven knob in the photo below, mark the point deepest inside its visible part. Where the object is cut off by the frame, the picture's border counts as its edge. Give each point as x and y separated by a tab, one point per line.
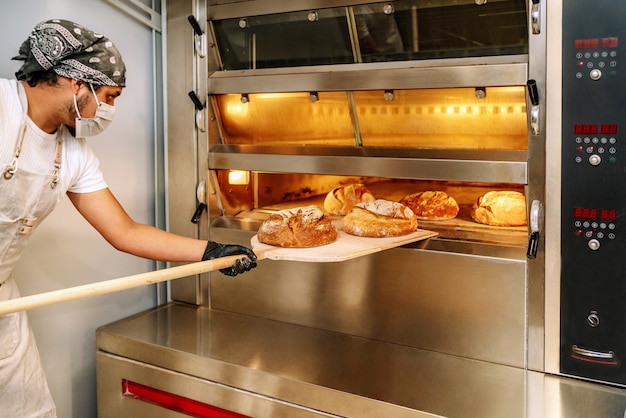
594	244
593	319
595	74
595	159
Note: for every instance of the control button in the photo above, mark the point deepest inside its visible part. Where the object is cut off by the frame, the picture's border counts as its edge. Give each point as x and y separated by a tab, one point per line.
593	244
595	74
579	75
595	159
578	140
600	150
595	140
612	160
611	236
612	150
594	225
593	319
589	234
602	225
603	140
589	150
578	159
586	224
612	140
600	235
611	226
586	140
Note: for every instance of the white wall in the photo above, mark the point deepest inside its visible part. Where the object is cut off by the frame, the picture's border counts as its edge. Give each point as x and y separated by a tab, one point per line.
65	251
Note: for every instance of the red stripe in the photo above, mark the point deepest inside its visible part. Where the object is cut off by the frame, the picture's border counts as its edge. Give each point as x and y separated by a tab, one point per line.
609	363
175	402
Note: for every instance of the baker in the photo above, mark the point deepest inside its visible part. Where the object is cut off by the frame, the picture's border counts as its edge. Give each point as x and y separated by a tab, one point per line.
64	92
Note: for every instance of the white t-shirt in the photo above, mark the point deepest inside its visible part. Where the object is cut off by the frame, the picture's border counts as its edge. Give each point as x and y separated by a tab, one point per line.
80	172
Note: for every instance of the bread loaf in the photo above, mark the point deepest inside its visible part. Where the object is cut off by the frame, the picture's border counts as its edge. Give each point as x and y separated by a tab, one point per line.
379	218
500	208
340	200
432	205
306	226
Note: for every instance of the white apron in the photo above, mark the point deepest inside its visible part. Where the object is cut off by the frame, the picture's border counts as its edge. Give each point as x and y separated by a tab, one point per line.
26	198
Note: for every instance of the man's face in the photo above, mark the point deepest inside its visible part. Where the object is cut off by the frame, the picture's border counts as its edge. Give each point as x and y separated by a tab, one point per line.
86	101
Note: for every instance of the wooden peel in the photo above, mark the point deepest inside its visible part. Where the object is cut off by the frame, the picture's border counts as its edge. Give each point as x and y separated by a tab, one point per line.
344	248
116	285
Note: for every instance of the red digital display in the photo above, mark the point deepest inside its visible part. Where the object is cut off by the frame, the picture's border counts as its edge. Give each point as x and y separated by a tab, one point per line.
608	129
590	213
586	43
585	128
609	42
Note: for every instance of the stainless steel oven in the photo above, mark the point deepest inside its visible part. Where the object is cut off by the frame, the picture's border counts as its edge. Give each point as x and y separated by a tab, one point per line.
272	104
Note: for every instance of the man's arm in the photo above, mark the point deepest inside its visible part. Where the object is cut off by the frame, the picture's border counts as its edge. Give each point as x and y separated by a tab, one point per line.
103	211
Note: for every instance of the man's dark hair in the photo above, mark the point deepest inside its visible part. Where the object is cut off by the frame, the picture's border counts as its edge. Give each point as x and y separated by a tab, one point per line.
48	77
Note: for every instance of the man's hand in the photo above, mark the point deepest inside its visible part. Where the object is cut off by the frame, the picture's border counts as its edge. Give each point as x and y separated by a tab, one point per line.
215	250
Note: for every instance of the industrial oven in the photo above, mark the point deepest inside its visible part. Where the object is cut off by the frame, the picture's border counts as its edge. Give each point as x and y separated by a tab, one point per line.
273	104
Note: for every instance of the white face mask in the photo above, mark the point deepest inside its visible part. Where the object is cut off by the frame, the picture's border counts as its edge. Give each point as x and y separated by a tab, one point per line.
93	126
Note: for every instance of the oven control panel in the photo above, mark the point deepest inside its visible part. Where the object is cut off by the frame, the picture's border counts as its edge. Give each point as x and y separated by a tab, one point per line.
593	197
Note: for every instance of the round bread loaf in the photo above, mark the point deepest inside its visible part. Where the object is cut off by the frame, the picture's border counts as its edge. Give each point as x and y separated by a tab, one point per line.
432	206
340	200
379	218
500	208
301	227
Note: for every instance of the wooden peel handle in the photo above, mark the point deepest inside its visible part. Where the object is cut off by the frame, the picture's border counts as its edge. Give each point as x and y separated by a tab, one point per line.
116	285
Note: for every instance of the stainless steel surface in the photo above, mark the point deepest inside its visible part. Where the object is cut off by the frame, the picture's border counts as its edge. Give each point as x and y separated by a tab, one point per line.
475	166
553	188
184	149
245	364
460	72
448	300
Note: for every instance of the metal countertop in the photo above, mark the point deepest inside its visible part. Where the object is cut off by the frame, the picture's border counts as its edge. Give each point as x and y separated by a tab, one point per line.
346	375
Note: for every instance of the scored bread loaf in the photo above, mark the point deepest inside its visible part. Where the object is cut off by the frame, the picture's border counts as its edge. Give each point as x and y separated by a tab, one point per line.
432	205
301	227
500	208
379	218
340	200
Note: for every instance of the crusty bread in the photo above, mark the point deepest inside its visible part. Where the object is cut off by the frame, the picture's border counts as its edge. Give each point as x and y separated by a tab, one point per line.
340	200
432	205
301	227
500	208
379	218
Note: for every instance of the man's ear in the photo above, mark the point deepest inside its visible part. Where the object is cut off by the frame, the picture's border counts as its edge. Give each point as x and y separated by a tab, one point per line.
75	85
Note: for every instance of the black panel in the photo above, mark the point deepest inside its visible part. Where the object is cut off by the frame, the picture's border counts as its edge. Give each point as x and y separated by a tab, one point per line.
593	243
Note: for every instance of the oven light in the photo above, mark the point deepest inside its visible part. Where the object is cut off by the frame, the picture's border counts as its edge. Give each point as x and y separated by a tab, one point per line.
238	178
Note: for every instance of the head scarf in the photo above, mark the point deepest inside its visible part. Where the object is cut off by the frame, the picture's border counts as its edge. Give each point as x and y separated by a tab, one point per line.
71	51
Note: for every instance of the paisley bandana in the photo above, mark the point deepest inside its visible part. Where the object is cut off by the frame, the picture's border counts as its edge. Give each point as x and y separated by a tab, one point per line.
71	51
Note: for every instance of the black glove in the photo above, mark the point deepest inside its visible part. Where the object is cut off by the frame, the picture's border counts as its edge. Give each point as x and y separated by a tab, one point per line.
215	250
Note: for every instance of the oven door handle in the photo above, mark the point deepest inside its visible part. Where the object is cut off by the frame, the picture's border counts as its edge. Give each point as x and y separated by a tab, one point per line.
535	17
535	228
533	97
